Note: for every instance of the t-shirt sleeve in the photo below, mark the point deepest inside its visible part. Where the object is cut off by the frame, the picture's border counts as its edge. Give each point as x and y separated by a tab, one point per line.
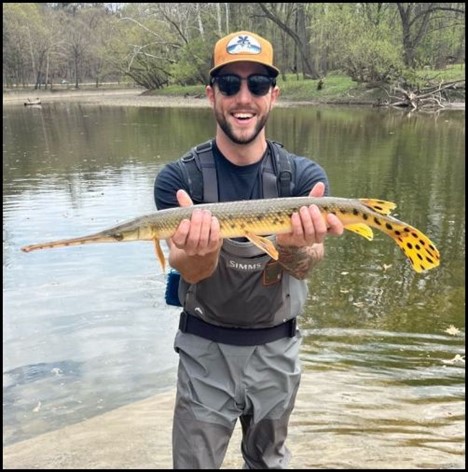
307	174
166	184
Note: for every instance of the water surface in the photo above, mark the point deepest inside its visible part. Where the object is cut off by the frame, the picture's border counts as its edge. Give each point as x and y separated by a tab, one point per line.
86	329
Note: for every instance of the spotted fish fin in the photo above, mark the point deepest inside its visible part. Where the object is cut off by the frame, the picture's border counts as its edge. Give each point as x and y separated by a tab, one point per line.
380	206
361	229
160	254
417	247
264	244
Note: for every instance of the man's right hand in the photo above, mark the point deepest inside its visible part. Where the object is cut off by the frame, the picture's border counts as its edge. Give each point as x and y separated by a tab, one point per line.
196	243
200	235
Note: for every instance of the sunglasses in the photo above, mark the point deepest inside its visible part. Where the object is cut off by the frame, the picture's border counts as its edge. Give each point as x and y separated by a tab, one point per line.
230	84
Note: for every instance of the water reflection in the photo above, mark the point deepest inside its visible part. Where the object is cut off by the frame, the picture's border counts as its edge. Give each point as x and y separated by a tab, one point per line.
86	328
395	394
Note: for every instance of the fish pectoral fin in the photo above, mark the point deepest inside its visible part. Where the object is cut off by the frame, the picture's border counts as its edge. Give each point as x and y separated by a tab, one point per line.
361	229
264	244
159	254
380	206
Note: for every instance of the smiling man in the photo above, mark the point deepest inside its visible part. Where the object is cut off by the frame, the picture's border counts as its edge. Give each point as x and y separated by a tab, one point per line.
238	339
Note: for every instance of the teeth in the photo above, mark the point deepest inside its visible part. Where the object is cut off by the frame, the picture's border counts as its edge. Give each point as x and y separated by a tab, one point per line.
243	115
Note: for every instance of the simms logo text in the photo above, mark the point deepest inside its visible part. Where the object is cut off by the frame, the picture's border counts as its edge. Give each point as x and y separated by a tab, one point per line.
248	267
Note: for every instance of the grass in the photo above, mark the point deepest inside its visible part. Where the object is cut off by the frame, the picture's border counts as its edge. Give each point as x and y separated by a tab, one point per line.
337	87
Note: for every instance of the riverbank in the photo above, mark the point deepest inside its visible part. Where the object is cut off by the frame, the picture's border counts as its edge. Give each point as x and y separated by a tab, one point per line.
138	435
135	97
123	97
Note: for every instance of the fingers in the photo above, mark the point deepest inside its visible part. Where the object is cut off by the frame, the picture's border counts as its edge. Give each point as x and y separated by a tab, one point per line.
335	226
309	227
198	236
318	190
183	198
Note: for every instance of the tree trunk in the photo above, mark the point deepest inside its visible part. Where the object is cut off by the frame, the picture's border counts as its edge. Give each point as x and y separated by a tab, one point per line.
47	71
301	39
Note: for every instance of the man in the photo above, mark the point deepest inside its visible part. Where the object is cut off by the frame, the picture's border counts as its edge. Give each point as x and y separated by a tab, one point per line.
238	344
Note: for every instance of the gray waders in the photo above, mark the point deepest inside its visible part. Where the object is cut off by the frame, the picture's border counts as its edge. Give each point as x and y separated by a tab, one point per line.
219	383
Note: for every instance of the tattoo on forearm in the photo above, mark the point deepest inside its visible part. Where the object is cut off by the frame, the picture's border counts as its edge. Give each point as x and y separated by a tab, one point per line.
298	261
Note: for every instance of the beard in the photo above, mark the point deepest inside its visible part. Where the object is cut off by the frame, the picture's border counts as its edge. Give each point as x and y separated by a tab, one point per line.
239	139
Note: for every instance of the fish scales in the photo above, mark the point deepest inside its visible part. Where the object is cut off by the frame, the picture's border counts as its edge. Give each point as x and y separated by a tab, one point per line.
254	219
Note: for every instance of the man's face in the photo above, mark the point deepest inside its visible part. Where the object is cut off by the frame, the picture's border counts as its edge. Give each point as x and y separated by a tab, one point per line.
242	116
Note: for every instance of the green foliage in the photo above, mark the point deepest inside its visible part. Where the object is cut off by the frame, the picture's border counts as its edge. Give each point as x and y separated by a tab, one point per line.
160	44
365	50
425	77
442	46
193	63
337	87
334	86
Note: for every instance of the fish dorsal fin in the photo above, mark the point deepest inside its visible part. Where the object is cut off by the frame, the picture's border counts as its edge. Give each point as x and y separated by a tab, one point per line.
361	229
264	244
380	206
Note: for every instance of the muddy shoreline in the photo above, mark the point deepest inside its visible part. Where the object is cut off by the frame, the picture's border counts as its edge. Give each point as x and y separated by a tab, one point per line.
137	98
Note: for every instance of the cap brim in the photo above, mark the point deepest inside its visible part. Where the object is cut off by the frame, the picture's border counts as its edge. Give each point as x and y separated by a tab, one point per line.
273	71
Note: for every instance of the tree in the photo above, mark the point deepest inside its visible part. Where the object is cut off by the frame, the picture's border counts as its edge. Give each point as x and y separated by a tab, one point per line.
360	43
417	20
157	44
300	35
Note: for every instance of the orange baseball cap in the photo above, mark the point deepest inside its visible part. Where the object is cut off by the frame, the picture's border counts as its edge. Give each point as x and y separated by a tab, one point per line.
243	46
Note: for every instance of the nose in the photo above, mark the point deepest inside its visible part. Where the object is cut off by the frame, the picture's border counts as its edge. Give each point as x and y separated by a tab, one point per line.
244	94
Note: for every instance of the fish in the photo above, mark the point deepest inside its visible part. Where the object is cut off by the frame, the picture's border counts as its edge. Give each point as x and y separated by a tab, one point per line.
255	219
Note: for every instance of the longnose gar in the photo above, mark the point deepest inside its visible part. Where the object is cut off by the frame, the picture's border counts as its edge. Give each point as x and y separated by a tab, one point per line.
256	218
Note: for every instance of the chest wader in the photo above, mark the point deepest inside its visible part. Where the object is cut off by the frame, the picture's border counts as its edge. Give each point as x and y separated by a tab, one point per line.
248	290
252	370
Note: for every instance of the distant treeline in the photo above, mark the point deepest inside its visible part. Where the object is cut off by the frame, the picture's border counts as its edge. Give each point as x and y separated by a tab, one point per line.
157	44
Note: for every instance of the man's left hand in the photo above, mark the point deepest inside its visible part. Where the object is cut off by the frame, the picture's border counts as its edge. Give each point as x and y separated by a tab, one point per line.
309	226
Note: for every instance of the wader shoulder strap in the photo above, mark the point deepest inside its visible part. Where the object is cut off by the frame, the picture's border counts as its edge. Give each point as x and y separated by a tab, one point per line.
281	182
199	172
199	162
210	181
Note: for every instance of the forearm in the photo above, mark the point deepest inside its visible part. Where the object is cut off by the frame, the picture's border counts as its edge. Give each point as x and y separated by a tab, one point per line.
298	261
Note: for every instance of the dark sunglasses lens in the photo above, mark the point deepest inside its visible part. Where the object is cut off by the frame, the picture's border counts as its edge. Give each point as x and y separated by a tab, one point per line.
229	84
259	84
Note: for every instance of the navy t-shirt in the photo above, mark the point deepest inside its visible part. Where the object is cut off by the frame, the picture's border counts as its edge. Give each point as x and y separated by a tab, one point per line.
236	182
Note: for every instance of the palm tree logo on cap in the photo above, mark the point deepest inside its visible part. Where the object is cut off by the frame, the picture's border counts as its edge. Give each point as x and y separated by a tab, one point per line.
242	44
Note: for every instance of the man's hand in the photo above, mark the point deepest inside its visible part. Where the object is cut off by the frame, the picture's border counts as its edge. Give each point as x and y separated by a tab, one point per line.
200	235
309	226
302	248
195	246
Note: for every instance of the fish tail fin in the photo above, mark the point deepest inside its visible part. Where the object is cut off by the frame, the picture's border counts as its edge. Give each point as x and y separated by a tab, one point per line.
416	246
